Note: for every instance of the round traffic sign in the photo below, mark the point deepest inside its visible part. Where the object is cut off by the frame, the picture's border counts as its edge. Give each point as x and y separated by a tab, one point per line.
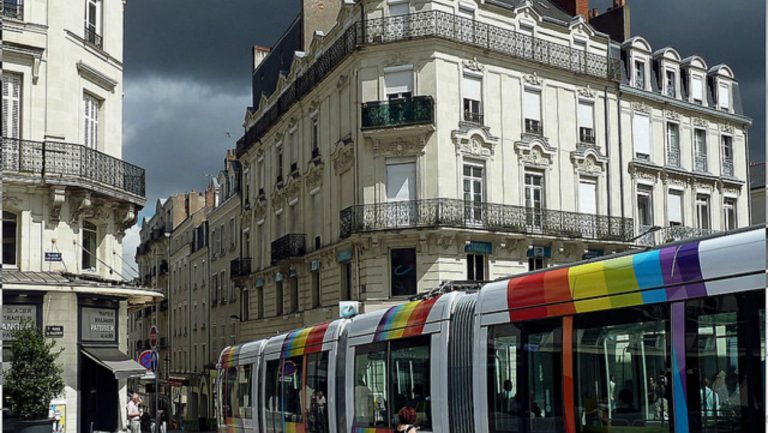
145	359
154	362
153	337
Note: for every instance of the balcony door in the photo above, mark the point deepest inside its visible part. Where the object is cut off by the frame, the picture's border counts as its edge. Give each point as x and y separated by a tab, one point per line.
588	206
474	190
401	195
534	199
11	105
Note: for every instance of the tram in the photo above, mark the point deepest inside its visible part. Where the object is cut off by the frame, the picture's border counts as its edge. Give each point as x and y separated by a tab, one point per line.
670	339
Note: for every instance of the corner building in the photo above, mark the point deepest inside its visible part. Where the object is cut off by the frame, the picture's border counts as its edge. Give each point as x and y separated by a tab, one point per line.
68	199
411	143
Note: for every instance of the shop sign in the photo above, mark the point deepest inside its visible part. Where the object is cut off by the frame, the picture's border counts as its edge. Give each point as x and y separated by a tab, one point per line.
259	282
98	324
475	247
54	331
314	265
344	255
540	252
14	316
52	257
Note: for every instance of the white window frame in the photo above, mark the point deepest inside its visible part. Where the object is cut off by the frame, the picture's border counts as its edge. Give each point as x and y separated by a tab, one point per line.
97	26
589	180
414	189
402	71
699	205
91	114
724	105
643	189
681	195
12	94
637	143
694	77
466	76
675	82
733	205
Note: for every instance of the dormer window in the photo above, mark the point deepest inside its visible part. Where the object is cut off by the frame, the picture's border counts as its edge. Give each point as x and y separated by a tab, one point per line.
724	96
670	83
640	74
697	89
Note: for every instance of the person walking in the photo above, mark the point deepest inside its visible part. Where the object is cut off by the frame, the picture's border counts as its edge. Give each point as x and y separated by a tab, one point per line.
134	414
406	417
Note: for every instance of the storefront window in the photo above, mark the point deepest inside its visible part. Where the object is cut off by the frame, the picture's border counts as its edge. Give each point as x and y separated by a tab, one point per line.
620	372
403	272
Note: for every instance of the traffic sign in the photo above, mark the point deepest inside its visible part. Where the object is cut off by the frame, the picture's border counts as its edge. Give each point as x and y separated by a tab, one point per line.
154	362
153	337
145	359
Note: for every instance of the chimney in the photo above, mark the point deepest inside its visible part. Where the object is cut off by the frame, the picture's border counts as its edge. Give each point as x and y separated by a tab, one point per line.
259	53
575	7
318	15
618	3
594	12
614	22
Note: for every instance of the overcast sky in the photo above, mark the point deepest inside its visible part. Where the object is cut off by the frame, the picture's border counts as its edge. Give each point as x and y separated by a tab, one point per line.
187	74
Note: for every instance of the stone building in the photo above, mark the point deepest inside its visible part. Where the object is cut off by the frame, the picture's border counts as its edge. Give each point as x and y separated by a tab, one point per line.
68	198
757	191
408	143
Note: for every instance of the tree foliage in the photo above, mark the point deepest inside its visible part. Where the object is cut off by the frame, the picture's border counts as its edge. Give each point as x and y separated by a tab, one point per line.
35	375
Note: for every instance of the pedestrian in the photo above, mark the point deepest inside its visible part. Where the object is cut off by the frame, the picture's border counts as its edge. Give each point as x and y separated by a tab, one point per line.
134	414
406	417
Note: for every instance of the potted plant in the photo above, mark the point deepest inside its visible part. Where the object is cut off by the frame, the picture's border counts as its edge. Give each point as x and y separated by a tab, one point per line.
34	379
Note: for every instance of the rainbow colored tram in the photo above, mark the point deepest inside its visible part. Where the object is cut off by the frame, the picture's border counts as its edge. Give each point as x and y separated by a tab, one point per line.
663	340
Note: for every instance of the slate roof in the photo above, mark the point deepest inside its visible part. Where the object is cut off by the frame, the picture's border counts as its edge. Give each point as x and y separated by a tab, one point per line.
757	175
278	61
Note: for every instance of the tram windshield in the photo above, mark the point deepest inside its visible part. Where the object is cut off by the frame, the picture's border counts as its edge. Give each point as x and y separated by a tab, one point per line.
235	392
295	394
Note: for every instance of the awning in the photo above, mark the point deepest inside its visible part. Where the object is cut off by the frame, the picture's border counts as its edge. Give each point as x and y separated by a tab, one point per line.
114	360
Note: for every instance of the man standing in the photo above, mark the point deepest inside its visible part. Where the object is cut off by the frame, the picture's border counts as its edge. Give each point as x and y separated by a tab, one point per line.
134	414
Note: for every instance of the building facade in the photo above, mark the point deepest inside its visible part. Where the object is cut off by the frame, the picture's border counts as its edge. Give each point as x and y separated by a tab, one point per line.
757	191
412	143
68	198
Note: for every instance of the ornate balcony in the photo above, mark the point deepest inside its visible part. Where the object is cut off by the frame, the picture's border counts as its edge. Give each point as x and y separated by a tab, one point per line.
533	126
239	268
92	37
700	164
670	234
728	167
586	135
673	156
288	246
13	9
473	117
441	212
65	163
400	112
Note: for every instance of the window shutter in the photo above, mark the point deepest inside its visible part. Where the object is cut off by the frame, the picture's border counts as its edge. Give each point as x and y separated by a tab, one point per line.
471	88
398	82
401	182
724	96
532	105
697	88
91	121
675	207
398	9
586	115
588	196
642	134
11	105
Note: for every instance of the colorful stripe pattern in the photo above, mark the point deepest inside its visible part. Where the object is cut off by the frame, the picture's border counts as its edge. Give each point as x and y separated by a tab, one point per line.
638	279
357	429
679	394
233	425
405	320
229	356
303	341
294	427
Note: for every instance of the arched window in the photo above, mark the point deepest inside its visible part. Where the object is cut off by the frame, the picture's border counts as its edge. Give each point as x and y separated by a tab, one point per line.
10	238
89	246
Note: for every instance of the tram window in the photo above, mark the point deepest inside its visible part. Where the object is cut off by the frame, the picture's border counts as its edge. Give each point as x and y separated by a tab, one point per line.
290	391
239	391
409	372
228	391
316	392
272	418
725	363
524	377
371	385
621	365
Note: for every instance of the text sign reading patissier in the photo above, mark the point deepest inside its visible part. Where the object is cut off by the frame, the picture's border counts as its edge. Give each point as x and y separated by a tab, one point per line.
14	316
98	324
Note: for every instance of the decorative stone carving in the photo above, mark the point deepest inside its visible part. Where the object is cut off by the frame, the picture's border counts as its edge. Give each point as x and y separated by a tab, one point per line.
535	151
671	179
277	198
125	217
396	60
728	129
314	105
292	188
260	208
342	82
698	121
641	107
58	198
535	158
588	165
343	155
474	146
313	176
671	115
639	174
586	92
533	79
399	147
475	140
473	65
81	204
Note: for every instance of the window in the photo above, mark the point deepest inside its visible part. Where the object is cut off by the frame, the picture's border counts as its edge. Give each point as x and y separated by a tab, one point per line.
315	289
723	360
471	89
403	271
670	83
398	8
10	240
401	181
536	263
697	89
534	198
724	96
532	111
476	266
641	133
316	392
279	164
700	149
260	302
702	211
93	22
645	205
232	234
519	401
525	29
726	144
317	218
586	122
640	74
89	246
346	281
282	395
293	282
279	298
620	370
473	192
91	119
673	144
729	213
390	376
11	104
675	207
245	307
247	243
315	134
398	84
588	195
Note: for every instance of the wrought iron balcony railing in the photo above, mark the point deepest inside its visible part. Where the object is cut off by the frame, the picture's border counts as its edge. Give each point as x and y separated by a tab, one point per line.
13	9
473	116
394	113
728	167
673	155
670	234
441	212
533	126
290	245
51	158
700	163
92	37
240	267
430	24
586	135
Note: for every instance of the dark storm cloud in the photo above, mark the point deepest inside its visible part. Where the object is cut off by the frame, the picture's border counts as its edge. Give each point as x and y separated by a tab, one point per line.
204	41
730	32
